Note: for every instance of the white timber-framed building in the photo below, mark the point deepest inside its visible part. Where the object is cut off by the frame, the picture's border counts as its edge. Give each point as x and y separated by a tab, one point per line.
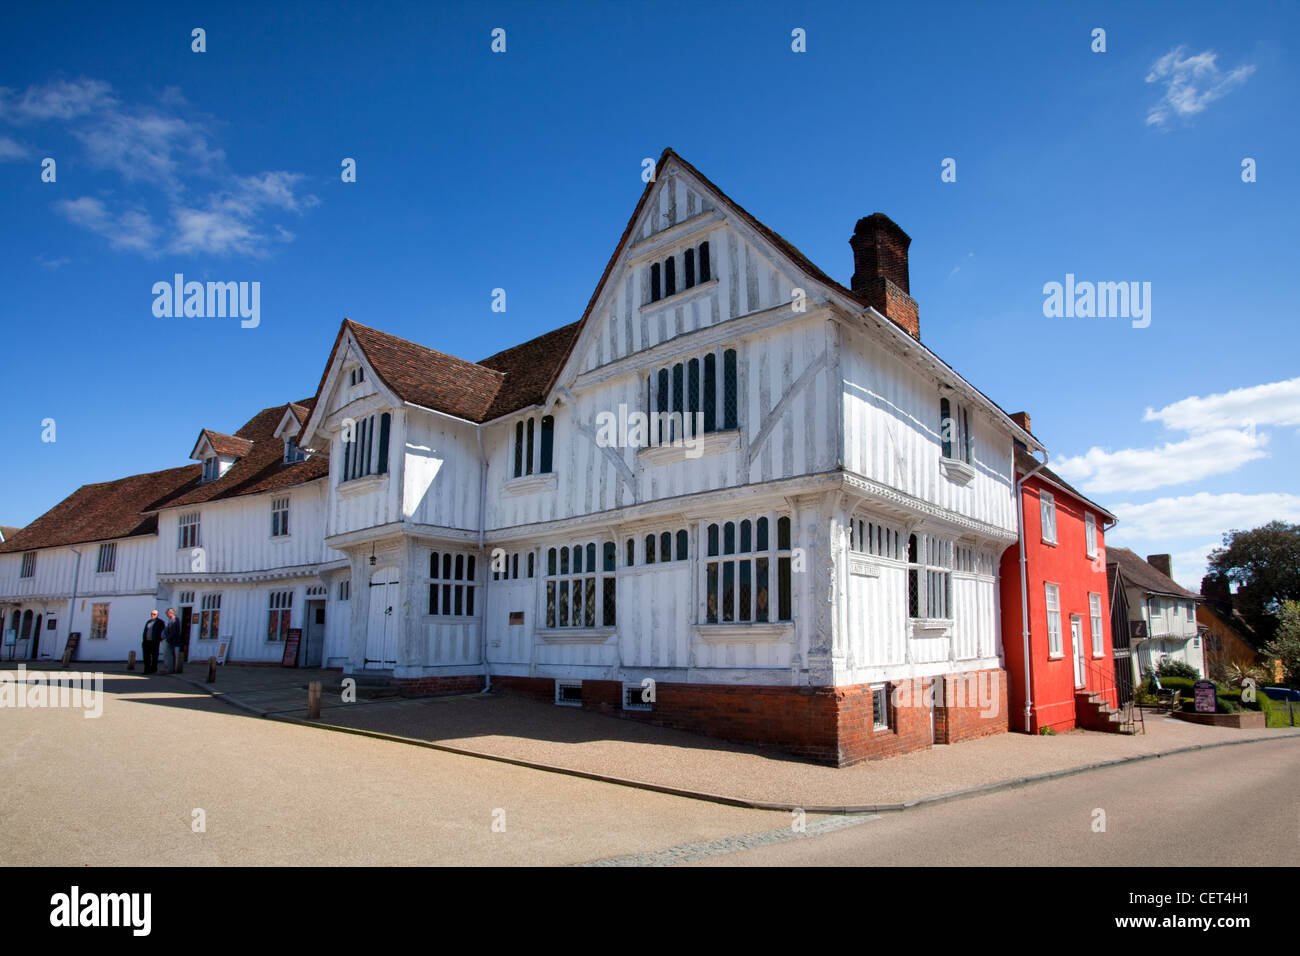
735	497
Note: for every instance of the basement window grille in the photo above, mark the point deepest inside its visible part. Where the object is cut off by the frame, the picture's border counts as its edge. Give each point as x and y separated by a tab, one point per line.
568	693
633	698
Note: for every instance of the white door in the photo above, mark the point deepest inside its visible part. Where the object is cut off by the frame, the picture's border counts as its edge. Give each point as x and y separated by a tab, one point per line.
381	632
1076	636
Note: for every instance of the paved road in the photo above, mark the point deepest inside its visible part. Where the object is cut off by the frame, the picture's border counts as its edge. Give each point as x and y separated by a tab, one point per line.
1222	807
122	790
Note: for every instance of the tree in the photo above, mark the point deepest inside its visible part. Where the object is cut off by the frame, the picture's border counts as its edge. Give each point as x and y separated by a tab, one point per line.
1264	563
1285	645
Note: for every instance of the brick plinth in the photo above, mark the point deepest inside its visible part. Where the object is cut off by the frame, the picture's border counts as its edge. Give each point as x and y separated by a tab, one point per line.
830	725
433	686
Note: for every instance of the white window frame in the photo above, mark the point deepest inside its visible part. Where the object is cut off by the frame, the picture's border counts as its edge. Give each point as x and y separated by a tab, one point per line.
279	616
776	568
280	517
664	400
187	530
28	568
210	617
453	581
1094	617
880	716
211	468
361	457
1047	516
868	536
930	575
1090	533
99	626
106	559
679	546
567	565
1052	595
356	375
345	589
292	450
955	432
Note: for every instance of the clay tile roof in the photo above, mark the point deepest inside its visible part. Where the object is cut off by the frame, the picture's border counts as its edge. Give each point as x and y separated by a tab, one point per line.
427	377
227	446
1140	574
7	531
529	369
100	512
262	468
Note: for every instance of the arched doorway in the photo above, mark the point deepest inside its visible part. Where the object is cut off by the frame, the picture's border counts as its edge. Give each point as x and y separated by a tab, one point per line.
36	638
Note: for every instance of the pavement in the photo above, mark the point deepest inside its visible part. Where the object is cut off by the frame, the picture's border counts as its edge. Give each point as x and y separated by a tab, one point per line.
539	735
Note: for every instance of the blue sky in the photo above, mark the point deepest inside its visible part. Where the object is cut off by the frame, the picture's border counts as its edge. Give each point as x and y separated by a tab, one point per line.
478	170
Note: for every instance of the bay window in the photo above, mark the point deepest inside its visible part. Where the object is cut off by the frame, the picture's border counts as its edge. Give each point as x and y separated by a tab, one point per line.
747	571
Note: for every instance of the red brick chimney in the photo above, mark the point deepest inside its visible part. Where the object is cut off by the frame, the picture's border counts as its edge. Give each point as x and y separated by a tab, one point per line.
880	270
1022	419
1162	563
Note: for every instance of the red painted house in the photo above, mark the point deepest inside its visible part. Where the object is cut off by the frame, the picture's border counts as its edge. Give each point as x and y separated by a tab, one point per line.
1062	588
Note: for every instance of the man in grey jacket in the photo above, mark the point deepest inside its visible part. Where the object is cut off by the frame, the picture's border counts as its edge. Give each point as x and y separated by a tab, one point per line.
173	651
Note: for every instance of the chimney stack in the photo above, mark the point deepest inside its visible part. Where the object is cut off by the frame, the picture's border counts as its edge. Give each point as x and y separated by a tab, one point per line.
1022	419
1162	563
880	270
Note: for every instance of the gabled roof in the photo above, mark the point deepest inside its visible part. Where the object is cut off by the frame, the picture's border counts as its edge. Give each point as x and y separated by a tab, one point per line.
529	369
1025	463
128	507
786	247
226	446
525	374
100	512
8	531
262	468
1140	574
474	391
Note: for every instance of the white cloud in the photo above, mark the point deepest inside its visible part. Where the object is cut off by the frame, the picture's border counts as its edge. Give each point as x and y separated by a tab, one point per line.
1277	403
164	147
1174	463
57	100
1191	565
11	150
1191	84
1201	515
130	229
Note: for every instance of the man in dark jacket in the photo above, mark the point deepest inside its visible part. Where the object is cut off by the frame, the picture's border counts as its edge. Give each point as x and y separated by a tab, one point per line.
153	632
173	655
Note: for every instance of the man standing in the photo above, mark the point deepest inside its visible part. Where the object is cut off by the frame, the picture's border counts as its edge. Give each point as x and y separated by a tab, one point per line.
172	653
153	632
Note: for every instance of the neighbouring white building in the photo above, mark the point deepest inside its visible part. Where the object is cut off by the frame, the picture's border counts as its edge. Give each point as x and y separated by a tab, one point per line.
1161	613
735	496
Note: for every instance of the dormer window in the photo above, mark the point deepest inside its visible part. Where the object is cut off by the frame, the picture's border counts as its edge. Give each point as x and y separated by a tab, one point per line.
292	452
955	431
533	452
365	447
211	468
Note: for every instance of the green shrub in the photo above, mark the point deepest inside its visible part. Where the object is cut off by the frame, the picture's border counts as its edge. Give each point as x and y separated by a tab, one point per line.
1046	732
1176	669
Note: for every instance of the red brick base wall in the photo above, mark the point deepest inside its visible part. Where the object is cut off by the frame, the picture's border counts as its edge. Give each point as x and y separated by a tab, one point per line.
831	725
541	688
432	686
